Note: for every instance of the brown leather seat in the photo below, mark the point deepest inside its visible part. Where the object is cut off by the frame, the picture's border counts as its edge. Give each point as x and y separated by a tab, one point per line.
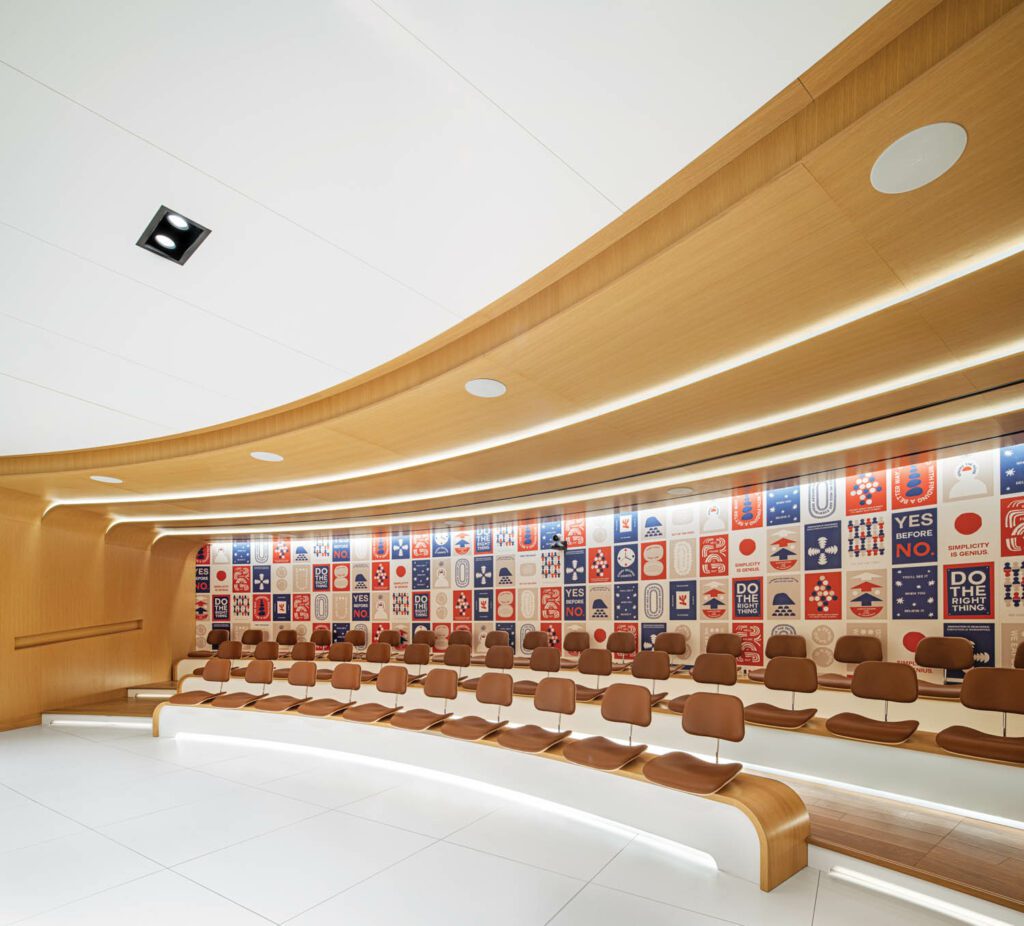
493	638
393	638
391	680
321	639
785	673
494	688
258	672
301	652
852	650
674	644
439	683
531	641
416	657
621	644
779	644
543	659
622	703
710	669
499	658
879	681
266	649
339	652
654	666
707	714
943	653
357	638
227	649
345	676
251	639
379	655
456	638
575	642
596	662
213	639
286	639
988	689
457	656
556	695
215	670
301	675
425	636
731	644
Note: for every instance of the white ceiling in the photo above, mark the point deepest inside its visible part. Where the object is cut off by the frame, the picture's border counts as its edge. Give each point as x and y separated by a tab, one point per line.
372	172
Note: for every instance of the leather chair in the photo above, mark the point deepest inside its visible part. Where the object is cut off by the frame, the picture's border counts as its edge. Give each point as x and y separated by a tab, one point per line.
879	681
267	649
357	638
943	653
258	672
458	656
622	703
425	636
416	657
215	670
779	644
710	669
339	652
596	662
707	714
251	639
653	666
785	673
345	676
851	650
286	639
575	642
460	638
391	680
321	639
531	641
555	695
494	688
213	639
493	638
673	644
545	659
301	652
301	675
393	638
378	654
439	683
227	649
988	689
621	643
498	658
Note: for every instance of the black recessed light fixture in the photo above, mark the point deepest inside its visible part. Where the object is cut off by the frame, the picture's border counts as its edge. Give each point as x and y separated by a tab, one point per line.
173	236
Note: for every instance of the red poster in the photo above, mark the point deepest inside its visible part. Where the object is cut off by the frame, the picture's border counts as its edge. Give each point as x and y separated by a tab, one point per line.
599	564
752	647
300	608
747	510
824	594
865	492
550	604
914	484
714	555
1011	526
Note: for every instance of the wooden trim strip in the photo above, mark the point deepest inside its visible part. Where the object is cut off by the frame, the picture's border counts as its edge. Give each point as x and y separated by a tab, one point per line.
75	633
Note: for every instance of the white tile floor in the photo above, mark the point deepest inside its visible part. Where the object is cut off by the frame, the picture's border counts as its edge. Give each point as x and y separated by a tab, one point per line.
109	826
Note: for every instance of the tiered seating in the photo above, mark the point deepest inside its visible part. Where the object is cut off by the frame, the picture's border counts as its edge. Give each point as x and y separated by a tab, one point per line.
494	688
596	662
710	669
943	653
265	650
879	681
216	670
344	677
442	684
575	642
493	638
213	639
258	672
851	650
416	657
497	657
672	644
338	652
652	666
458	656
989	689
785	673
226	650
546	659
554	695
779	644
623	644
622	703
300	652
390	680
250	640
301	675
531	641
378	654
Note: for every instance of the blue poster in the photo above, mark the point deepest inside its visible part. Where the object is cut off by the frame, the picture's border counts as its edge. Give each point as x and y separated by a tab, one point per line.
574	567
203	580
483	572
240	551
626	567
1011	470
823	546
984	638
747	597
915	537
915	593
783	505
321	578
968	590
338	632
421	573
483	539
441	542
647	634
400	546
575	599
360	606
625	524
483	605
682	605
626	601
548	528
510	629
282	607
340	550
222	607
421	608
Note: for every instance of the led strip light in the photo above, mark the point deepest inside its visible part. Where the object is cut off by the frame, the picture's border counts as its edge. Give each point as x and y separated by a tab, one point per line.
830	323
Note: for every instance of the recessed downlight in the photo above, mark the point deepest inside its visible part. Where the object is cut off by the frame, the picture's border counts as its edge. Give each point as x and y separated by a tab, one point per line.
679	491
918	158
172	236
485	388
265	456
109	480
178	221
165	241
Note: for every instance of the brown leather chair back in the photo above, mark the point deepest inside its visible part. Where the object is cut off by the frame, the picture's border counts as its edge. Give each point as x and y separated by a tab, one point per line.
945	653
215	637
854	650
576	641
555	695
534	639
320	638
441	683
230	649
260	672
252	637
624	703
717	715
653	665
268	649
500	657
393	680
1018	657
341	652
495	688
302	674
378	653
785	644
302	652
991	689
731	644
791	673
427	637
217	670
885	681
460	638
347	676
714	669
545	659
288	637
672	643
458	654
595	662
622	643
496	638
416	654
356	637
393	638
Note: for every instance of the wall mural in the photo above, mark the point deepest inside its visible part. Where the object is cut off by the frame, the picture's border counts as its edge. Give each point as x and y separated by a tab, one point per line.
927	545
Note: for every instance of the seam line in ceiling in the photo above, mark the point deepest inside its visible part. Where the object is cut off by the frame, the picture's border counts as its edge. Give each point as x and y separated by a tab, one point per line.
497	106
227	186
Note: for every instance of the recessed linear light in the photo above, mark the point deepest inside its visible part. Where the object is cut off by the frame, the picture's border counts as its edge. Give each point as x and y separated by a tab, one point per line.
485	388
172	236
679	491
265	456
109	480
918	158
